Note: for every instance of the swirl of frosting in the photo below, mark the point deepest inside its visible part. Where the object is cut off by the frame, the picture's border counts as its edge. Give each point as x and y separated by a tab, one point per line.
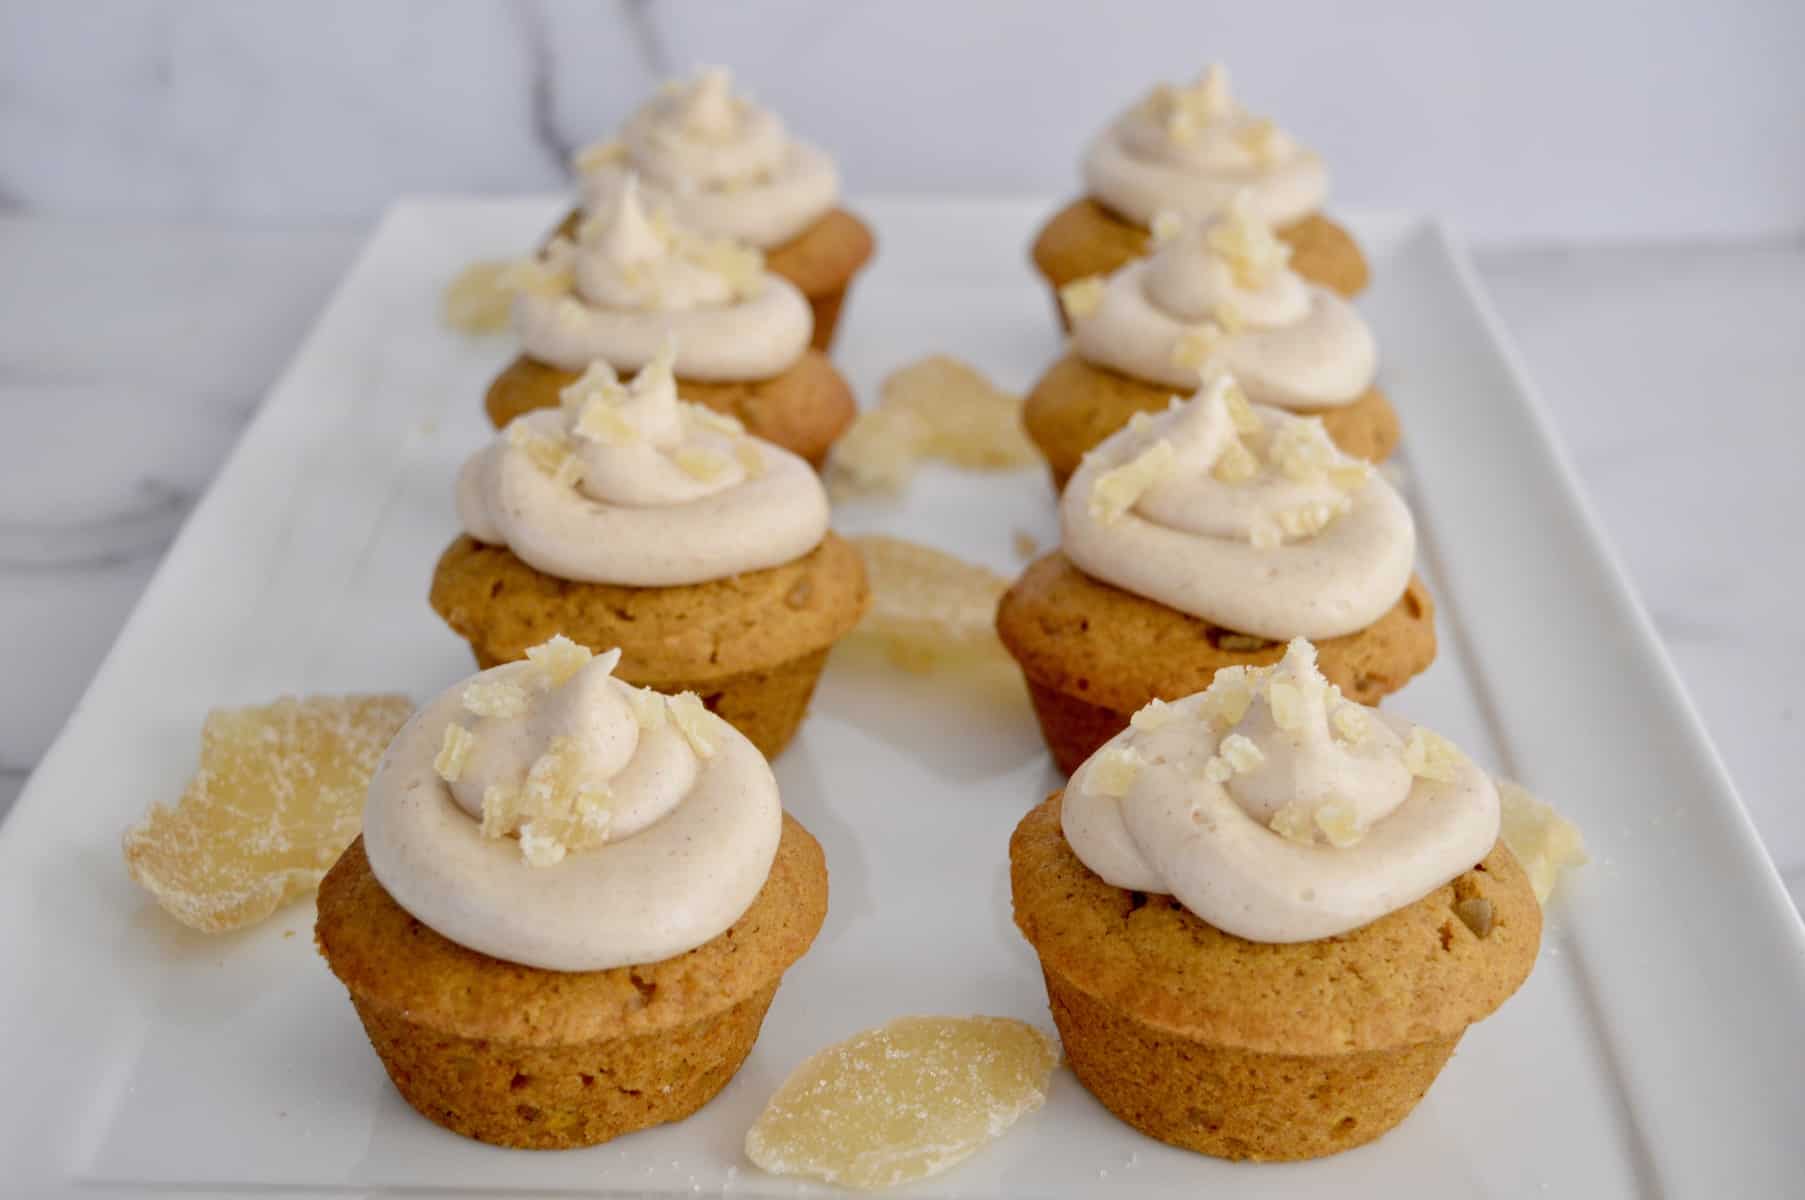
1192	149
627	484
1222	294
1243	515
1275	809
546	813
719	162
632	280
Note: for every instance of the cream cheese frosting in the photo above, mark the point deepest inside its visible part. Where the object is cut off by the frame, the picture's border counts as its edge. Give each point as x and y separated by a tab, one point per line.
1276	810
1192	148
633	278
1244	515
719	162
1221	293
626	484
546	813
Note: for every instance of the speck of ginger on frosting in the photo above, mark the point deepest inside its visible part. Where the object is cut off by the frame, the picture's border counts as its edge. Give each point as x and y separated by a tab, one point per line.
1254	254
1082	297
1120	488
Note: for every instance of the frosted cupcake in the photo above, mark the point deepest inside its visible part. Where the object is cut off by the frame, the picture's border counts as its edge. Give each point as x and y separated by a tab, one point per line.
727	167
1190	150
1206	537
571	905
627	517
1213	295
1266	915
629	281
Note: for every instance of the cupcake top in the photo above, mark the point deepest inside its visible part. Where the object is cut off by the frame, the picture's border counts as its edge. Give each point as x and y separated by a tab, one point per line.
632	279
721	163
1276	810
1221	293
626	484
1191	148
546	813
1240	514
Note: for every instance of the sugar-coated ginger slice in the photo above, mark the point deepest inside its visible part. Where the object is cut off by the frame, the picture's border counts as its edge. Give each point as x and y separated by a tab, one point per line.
927	606
903	1101
478	300
938	407
1545	843
278	796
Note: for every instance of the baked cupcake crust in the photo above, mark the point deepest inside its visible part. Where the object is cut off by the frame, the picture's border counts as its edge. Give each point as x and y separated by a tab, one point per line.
1417	975
803	410
1085	238
1076	405
393	962
684	635
1113	649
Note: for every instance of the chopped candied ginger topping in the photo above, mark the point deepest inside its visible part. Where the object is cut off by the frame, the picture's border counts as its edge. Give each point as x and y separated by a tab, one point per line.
1303	451
1229	695
1287	702
454	752
1185	112
649	708
551	454
1339	823
278	796
480	297
1082	297
485	697
694	722
1196	346
937	407
1240	752
1307	520
601	421
904	1101
1543	841
927	607
560	658
1429	755
1156	714
558	809
1121	488
1350	723
702	463
1166	226
1254	254
1247	422
742	266
1113	770
1236	463
597	155
1262	141
1296	823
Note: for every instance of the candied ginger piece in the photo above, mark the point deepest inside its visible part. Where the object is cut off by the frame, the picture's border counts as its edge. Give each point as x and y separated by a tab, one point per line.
1121	488
928	607
1113	771
278	796
938	407
478	299
1429	755
903	1101
1544	842
558	658
1082	297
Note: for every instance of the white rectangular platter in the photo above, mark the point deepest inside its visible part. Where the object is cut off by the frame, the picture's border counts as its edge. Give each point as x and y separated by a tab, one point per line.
1656	1050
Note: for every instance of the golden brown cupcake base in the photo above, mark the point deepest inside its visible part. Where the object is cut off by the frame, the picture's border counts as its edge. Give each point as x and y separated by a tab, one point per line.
1076	405
1250	1050
1093	654
803	410
820	261
537	1059
1085	238
752	646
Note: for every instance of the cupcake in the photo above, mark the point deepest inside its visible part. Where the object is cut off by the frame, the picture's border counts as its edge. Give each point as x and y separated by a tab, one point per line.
1190	150
1266	914
1206	537
629	281
1217	294
627	517
727	167
572	902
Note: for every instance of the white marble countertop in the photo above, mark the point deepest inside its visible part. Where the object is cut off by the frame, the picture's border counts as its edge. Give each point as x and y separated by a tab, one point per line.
130	357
